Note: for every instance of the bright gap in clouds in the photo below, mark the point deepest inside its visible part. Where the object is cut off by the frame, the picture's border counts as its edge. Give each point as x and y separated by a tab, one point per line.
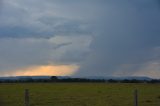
57	70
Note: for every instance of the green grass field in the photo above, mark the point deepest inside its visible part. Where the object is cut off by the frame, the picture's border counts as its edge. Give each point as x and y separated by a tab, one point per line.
79	94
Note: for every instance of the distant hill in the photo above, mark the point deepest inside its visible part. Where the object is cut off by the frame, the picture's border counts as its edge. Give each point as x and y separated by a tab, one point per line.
121	78
87	77
24	77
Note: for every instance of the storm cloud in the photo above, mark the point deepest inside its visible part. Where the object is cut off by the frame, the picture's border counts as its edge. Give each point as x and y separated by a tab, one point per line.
102	37
127	41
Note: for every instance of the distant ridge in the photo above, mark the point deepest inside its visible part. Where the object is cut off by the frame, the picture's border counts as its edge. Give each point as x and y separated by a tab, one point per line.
121	78
87	77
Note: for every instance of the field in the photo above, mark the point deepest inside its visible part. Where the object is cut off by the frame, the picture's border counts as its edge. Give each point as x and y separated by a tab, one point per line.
79	94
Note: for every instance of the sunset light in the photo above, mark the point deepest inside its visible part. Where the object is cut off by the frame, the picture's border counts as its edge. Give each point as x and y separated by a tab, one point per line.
57	70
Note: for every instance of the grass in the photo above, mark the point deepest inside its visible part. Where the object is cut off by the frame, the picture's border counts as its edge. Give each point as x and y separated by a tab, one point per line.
79	94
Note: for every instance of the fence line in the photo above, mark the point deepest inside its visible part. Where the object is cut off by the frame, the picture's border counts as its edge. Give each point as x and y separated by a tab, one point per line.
26	97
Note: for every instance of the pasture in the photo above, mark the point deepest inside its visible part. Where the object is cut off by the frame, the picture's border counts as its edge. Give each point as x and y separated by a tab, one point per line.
79	94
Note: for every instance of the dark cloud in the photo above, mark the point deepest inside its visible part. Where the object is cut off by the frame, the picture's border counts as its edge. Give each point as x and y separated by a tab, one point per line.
128	34
49	27
23	20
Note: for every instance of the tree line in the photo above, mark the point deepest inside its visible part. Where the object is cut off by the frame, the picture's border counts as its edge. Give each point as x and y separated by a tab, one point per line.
56	79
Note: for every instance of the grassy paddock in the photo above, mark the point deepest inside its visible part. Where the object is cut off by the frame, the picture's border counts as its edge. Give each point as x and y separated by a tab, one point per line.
79	94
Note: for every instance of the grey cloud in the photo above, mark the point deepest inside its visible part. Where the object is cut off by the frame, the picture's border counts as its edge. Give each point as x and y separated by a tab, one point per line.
104	37
127	34
22	20
31	34
16	53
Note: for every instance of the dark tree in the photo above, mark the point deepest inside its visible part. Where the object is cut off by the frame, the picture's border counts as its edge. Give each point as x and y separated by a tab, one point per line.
54	78
112	81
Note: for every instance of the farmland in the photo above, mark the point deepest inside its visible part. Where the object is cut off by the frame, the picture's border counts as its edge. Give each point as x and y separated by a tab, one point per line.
79	94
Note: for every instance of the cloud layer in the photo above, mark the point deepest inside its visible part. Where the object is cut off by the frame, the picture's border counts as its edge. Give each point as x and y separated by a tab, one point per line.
103	37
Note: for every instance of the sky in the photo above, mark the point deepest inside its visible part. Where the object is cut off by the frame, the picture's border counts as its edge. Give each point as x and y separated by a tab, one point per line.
80	37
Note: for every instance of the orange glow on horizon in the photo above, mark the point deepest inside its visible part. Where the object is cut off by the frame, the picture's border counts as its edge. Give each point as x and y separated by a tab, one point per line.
58	70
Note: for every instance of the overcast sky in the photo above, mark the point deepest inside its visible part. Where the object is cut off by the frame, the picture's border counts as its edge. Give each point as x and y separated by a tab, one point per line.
80	37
